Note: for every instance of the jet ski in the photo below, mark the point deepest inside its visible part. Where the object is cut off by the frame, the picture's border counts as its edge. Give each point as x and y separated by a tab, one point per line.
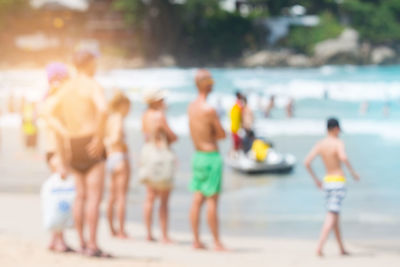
274	163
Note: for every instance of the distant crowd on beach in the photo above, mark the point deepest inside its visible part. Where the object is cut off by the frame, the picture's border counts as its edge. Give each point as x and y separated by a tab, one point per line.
85	138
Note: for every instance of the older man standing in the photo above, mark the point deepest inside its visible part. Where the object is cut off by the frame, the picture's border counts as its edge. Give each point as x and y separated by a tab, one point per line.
78	113
207	163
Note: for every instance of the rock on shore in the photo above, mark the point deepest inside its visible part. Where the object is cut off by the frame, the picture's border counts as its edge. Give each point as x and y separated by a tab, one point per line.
347	48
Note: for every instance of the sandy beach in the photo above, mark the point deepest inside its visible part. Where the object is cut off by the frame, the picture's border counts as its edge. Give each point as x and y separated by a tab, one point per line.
297	167
23	243
266	219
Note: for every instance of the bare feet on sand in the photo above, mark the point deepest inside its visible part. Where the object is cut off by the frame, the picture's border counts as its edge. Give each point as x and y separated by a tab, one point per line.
167	241
345	253
199	245
96	253
59	245
113	232
61	249
320	254
151	239
122	235
219	247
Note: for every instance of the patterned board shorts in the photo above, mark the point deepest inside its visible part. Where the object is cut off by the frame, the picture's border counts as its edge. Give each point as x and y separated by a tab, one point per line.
334	197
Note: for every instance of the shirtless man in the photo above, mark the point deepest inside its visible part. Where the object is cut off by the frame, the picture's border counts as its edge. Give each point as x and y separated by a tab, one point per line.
247	116
333	154
207	163
78	112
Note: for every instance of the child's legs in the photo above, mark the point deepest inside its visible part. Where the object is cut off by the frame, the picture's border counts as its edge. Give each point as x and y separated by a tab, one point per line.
111	202
54	241
330	221
338	235
57	242
122	184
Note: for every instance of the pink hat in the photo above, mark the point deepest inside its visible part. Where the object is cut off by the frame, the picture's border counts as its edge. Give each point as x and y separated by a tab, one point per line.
56	71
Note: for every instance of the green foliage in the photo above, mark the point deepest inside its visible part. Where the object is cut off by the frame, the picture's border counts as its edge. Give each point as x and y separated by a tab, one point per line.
154	23
135	11
209	32
303	39
377	21
198	31
275	7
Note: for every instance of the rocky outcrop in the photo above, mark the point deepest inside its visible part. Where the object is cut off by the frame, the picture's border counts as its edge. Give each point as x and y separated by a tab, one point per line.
166	61
345	45
273	58
266	58
383	55
298	60
345	49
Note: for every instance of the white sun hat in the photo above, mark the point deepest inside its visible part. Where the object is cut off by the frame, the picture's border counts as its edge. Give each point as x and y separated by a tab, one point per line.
153	95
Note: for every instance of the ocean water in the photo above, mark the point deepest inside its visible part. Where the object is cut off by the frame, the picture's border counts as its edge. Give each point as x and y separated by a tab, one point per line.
276	205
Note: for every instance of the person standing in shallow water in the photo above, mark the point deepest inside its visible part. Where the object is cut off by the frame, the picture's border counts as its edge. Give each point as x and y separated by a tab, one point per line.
333	154
118	165
78	112
157	161
207	164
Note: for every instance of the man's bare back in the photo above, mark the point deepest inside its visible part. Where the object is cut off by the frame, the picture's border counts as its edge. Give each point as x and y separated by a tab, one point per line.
79	102
203	123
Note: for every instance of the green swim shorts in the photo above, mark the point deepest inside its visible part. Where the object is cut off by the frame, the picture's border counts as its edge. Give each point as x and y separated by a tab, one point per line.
207	173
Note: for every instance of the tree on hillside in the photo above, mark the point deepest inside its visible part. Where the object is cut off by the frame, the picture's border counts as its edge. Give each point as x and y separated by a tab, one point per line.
208	32
378	21
275	8
196	31
155	23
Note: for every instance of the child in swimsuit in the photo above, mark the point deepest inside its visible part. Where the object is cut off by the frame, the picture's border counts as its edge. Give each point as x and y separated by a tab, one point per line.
57	74
117	162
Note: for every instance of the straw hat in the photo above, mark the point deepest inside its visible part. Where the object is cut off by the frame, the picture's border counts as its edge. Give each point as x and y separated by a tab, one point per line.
153	95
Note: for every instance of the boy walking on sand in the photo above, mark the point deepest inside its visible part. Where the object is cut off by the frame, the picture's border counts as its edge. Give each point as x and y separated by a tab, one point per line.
333	154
